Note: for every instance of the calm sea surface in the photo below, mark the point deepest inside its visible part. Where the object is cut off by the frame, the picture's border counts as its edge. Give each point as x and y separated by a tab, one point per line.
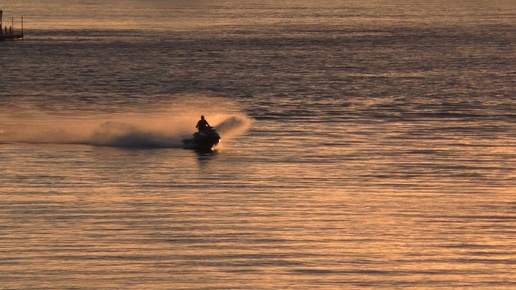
366	145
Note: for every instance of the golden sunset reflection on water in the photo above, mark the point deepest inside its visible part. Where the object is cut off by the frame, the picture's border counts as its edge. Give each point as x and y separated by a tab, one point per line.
365	145
145	222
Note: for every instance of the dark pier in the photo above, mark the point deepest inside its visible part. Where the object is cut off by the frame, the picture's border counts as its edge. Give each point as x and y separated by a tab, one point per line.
10	33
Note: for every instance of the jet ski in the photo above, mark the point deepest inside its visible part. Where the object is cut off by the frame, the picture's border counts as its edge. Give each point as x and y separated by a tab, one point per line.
203	140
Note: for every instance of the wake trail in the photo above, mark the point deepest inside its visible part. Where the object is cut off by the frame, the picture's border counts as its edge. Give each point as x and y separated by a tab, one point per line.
159	129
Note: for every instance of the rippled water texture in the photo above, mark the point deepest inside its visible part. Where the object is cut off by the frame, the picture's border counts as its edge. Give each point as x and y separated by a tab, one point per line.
365	145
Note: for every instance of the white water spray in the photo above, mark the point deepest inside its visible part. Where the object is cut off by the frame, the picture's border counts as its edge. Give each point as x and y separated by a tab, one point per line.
165	126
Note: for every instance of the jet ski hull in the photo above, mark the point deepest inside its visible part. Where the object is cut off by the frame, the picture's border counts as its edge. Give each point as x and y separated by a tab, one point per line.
204	140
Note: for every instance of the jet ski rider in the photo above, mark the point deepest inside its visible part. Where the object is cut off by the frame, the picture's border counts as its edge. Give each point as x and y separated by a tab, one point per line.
202	125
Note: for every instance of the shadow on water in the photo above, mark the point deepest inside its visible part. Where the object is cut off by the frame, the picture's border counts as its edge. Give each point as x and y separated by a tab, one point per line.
205	155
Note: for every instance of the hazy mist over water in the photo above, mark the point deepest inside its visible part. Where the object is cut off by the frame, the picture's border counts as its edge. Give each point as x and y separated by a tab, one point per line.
365	145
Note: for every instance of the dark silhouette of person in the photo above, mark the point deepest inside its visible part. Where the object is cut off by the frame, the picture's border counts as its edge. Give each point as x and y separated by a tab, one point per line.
202	124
